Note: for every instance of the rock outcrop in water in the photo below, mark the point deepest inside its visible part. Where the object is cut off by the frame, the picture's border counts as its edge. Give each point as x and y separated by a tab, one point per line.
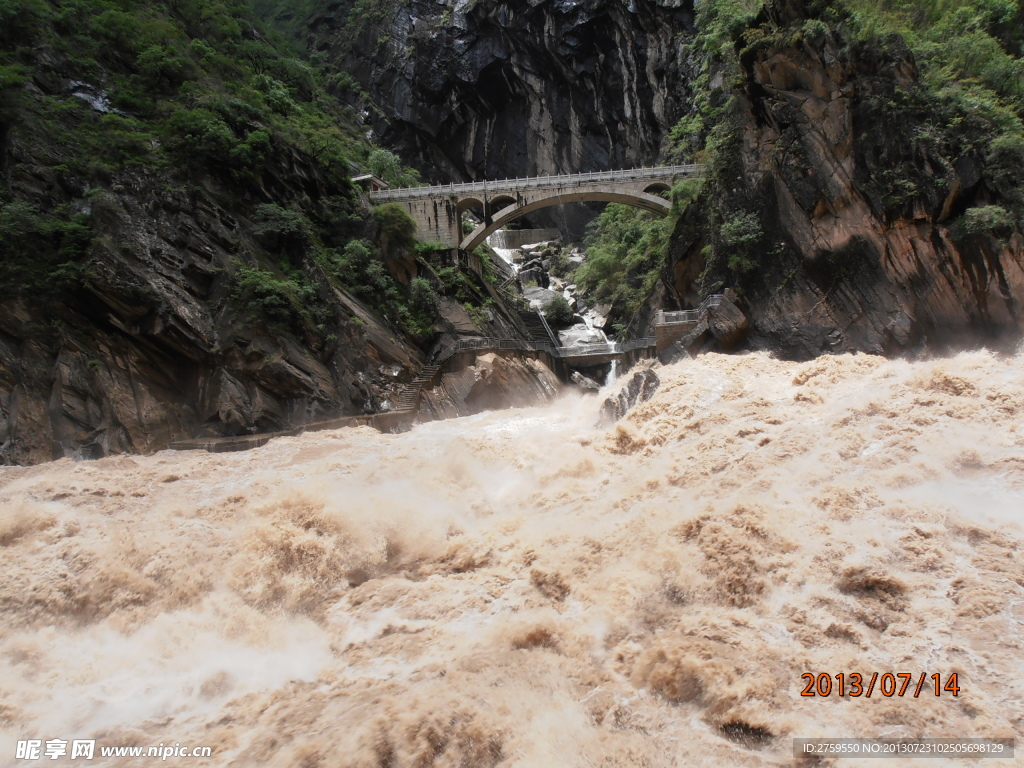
639	389
489	381
722	328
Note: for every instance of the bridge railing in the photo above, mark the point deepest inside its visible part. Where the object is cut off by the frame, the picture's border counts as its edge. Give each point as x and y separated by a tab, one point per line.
612	348
535	182
462	345
689	315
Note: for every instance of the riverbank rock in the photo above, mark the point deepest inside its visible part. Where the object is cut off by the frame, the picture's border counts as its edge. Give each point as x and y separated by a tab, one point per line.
727	323
580	335
584	381
641	388
493	381
720	329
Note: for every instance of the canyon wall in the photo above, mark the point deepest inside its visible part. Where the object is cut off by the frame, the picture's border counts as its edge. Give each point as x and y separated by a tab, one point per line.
860	184
849	169
150	348
499	89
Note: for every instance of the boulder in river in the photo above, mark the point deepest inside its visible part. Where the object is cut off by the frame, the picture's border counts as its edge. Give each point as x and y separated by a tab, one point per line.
640	388
584	381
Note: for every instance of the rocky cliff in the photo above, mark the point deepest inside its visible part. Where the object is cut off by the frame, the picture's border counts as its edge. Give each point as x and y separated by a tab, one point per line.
182	254
833	152
845	199
151	348
470	90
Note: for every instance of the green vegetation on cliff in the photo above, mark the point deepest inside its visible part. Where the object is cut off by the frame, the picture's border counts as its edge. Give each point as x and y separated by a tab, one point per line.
941	86
156	85
627	251
937	105
206	102
625	256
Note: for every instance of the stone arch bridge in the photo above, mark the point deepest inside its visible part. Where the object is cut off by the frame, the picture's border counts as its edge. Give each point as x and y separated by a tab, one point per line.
438	210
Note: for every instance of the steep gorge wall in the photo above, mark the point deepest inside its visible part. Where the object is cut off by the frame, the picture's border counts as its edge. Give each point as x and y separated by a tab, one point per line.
151	349
493	89
484	90
182	252
858	201
174	209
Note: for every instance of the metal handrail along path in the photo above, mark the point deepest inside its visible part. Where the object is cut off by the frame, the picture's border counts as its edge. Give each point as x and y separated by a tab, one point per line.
689	315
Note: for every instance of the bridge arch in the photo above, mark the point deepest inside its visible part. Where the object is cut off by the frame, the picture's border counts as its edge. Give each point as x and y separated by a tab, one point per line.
657	188
500	203
470	203
643	200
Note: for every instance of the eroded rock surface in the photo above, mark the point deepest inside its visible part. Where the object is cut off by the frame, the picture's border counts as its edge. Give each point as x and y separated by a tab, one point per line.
849	262
489	90
492	381
640	388
152	349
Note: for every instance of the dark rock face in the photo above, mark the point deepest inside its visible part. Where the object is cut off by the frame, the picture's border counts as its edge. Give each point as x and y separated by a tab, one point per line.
151	350
640	389
727	323
496	89
843	267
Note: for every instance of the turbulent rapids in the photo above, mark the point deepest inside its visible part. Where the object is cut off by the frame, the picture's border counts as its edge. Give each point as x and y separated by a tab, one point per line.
522	588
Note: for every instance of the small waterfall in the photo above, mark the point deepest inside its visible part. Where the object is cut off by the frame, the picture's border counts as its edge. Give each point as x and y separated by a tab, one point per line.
506	255
613	372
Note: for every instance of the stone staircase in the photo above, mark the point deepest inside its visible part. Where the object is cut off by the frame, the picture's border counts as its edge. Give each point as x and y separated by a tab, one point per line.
535	326
409	398
552	336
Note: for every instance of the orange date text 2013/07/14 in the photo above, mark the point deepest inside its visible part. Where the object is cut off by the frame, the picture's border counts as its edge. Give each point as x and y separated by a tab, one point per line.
887	684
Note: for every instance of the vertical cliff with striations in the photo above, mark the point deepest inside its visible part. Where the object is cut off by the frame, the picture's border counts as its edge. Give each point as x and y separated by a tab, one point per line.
853	207
470	90
181	251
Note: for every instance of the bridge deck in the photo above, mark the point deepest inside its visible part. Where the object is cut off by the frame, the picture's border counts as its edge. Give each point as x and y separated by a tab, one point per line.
536	182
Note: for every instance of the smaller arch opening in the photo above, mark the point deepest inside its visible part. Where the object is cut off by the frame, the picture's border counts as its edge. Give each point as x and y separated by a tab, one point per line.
470	204
499	203
659	188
